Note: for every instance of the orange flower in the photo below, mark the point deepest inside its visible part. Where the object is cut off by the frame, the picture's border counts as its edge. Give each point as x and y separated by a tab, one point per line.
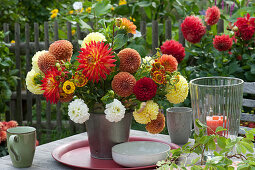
127	25
80	80
169	62
156	126
3	135
12	123
159	77
96	61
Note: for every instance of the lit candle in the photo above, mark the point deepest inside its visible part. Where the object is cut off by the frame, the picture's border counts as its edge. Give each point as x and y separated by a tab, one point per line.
213	122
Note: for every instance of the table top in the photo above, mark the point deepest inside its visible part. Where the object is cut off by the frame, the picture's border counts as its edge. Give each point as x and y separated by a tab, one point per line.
44	160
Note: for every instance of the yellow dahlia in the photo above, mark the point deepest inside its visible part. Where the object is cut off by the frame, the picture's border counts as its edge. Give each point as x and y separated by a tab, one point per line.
35	66
147	112
31	84
94	36
178	92
122	2
68	87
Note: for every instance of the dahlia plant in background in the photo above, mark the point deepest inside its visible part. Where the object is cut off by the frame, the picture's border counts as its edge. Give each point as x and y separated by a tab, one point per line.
108	78
226	54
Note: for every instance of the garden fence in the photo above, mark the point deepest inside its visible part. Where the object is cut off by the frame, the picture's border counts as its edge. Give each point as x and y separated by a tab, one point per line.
27	48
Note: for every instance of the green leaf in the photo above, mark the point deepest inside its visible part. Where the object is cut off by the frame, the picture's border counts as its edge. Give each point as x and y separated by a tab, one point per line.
119	41
199	124
102	8
240	149
204	139
211	144
248	146
84	25
253	69
219	129
194	161
221	142
143	4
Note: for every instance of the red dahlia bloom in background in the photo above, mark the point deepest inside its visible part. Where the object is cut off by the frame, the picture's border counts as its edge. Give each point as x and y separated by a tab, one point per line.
169	62
50	85
212	15
222	42
193	29
174	48
145	89
96	61
246	27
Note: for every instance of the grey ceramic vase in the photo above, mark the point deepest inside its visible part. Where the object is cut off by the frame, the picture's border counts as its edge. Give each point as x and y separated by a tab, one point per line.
179	124
103	135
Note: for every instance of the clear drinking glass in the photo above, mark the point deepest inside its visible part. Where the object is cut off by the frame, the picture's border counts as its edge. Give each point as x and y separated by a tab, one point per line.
217	101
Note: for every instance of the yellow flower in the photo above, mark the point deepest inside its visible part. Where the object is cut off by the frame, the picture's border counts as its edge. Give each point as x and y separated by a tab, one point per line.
35	66
122	2
73	32
31	84
88	10
94	36
80	80
12	41
68	87
178	92
147	112
71	12
82	9
112	8
54	11
132	19
54	15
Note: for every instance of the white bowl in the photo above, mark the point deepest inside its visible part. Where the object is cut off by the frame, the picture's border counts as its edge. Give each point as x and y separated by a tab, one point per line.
139	153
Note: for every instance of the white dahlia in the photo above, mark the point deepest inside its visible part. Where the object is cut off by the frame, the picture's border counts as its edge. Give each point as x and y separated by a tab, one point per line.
35	66
94	36
115	111
78	111
31	84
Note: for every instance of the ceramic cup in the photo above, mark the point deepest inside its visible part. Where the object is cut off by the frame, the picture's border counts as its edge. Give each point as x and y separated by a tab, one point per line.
179	124
21	142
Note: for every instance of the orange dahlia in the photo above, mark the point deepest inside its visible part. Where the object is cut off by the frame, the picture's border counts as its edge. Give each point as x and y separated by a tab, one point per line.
50	85
46	61
3	135
156	126
127	25
130	60
123	84
62	49
96	61
169	62
63	97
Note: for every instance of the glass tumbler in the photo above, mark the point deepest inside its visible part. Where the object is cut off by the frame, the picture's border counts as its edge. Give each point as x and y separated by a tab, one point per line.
217	101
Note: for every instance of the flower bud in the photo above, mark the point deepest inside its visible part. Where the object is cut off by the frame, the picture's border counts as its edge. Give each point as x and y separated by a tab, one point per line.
57	65
118	22
63	74
235	28
67	65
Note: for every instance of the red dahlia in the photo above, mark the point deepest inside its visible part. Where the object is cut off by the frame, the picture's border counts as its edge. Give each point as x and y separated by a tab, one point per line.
145	89
96	61
174	48
212	15
193	29
222	42
50	85
246	27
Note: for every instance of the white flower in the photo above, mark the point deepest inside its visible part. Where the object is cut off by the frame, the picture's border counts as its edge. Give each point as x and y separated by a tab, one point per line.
35	61
77	5
114	111
147	61
78	111
137	34
94	36
32	86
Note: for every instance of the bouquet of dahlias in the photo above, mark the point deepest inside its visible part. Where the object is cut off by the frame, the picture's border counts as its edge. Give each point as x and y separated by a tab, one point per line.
3	127
108	78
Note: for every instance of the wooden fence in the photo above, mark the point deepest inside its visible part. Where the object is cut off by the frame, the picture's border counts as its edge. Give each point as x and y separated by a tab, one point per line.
28	49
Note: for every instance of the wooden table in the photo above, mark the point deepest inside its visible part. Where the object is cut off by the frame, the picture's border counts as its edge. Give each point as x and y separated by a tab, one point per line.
44	160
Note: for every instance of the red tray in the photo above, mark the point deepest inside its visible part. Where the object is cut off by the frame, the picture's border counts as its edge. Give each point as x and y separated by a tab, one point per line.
77	155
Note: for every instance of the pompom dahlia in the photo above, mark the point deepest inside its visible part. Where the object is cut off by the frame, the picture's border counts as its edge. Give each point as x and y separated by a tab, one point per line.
96	61
212	15
12	123
123	84
50	85
3	135
174	48
145	89
94	36
61	49
31	83
157	125
246	27
193	29
222	42
35	66
125	24
46	61
147	112
169	62
130	60
179	92
114	111
78	111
